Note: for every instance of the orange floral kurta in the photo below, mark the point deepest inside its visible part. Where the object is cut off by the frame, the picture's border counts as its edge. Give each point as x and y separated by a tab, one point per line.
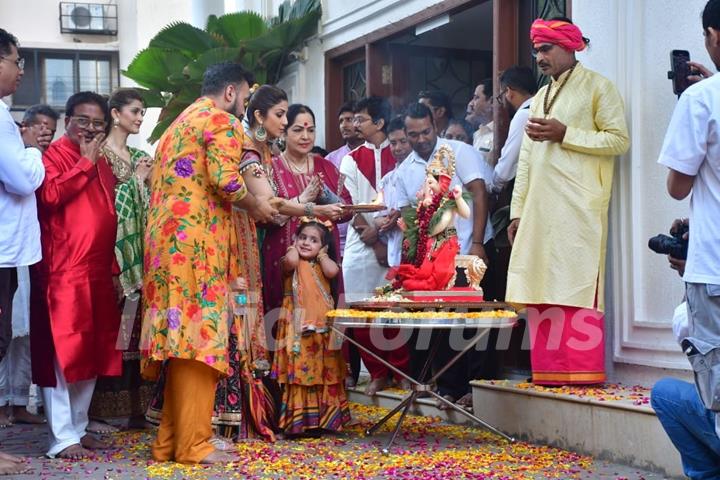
191	249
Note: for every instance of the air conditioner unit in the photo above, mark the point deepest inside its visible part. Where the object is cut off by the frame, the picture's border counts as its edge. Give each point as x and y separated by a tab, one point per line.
92	18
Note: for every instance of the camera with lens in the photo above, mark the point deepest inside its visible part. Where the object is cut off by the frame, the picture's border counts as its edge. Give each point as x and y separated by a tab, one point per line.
676	246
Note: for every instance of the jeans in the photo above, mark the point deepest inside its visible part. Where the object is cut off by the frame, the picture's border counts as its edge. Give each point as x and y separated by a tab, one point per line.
690	426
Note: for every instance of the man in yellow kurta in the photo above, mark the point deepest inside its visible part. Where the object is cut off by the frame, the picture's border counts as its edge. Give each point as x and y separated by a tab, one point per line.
560	207
191	257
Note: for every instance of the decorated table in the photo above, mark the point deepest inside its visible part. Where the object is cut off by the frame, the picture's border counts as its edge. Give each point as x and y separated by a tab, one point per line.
436	316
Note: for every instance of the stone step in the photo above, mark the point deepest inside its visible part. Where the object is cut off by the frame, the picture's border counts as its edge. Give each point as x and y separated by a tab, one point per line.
614	423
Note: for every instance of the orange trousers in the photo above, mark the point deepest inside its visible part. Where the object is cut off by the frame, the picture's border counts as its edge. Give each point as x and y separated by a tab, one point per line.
186	425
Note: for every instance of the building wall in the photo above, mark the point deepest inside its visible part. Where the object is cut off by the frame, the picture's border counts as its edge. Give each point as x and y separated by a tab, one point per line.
342	22
631	42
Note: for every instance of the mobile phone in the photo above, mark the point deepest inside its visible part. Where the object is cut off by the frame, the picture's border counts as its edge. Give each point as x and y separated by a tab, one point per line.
679	70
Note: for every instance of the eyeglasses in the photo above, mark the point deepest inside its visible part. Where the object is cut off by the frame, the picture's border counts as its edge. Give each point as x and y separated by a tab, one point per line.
85	122
19	62
500	97
542	49
361	120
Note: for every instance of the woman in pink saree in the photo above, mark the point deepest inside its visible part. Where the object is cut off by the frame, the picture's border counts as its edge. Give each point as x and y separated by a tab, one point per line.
300	175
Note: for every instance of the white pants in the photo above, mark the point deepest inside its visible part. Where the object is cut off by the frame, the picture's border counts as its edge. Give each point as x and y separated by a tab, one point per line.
66	409
15	373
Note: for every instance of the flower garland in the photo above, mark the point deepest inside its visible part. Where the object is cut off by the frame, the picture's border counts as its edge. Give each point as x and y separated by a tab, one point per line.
353	313
424	218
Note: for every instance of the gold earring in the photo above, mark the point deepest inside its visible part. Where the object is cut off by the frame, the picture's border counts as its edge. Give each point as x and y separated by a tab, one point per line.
116	122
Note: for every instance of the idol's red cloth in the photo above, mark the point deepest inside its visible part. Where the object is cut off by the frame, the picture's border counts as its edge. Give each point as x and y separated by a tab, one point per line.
557	32
74	313
435	272
567	345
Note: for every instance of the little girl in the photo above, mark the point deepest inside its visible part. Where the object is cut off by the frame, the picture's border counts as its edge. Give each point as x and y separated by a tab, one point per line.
310	371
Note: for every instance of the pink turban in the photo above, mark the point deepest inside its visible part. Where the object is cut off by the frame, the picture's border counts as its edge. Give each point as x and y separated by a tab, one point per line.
557	32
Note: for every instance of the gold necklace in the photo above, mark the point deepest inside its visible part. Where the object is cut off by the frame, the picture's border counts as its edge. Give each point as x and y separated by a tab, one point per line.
120	167
547	102
294	168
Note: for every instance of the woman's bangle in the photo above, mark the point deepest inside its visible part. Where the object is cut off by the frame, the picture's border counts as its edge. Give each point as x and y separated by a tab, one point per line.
322	257
309	206
289	248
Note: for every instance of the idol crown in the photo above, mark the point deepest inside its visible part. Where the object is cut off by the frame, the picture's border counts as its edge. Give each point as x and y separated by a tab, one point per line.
443	162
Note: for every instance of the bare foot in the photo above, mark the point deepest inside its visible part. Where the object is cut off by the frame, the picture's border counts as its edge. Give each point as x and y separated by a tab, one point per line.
21	415
222	444
375	386
405	384
218	457
349	382
95	426
75	452
12	468
4	419
92	443
10	458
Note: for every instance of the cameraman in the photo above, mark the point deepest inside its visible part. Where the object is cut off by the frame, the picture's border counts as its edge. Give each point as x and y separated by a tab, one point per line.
690	426
692	152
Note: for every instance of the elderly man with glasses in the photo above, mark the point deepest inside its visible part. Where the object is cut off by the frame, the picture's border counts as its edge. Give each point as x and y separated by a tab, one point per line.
75	317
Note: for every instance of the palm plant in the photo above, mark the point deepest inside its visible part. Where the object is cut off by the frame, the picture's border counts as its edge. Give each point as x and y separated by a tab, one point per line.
171	68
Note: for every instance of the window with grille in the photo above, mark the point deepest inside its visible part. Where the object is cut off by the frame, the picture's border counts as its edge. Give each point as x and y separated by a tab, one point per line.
52	76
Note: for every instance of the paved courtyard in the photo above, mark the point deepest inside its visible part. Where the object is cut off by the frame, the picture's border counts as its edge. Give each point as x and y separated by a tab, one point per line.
426	449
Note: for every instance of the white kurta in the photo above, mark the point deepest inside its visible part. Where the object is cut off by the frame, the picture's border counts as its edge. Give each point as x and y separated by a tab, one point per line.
362	274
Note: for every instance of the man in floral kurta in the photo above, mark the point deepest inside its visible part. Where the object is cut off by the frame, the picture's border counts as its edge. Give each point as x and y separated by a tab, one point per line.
191	257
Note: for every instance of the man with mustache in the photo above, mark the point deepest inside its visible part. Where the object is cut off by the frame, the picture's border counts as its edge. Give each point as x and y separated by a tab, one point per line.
559	209
480	113
474	233
352	139
74	319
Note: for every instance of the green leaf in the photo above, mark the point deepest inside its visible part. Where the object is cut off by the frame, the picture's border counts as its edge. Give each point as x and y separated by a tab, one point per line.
185	38
168	115
197	68
236	28
152	67
159	130
298	9
279	41
152	98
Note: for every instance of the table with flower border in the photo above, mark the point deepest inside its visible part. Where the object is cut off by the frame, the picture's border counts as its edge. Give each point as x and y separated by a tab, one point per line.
436	317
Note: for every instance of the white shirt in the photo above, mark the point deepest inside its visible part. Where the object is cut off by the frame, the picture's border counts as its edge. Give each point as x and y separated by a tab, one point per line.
390	187
469	166
692	147
506	167
362	274
21	173
483	139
